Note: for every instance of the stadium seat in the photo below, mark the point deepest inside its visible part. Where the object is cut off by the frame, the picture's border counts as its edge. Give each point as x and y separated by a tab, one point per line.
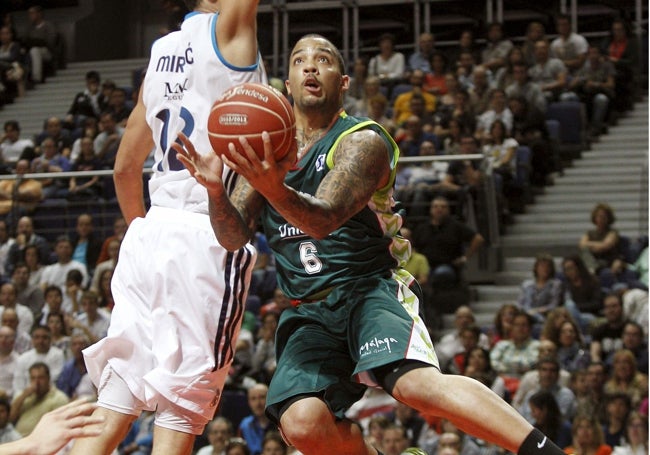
571	117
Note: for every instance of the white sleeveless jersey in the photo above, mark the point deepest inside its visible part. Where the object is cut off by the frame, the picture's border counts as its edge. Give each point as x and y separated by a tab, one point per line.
185	76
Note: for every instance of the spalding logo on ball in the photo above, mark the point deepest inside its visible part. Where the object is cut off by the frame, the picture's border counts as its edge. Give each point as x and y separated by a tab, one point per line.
247	110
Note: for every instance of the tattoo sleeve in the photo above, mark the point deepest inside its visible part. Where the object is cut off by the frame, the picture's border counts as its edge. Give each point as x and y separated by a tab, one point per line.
361	167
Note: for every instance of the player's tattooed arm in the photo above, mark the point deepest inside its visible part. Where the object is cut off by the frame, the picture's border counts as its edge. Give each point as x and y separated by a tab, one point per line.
361	166
234	220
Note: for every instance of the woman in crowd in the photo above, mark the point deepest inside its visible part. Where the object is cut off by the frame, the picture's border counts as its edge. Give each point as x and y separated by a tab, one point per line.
479	367
548	418
587	436
59	332
636	436
572	353
624	378
583	296
599	247
543	292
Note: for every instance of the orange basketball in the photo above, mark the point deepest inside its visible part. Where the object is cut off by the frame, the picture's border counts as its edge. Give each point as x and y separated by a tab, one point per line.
247	110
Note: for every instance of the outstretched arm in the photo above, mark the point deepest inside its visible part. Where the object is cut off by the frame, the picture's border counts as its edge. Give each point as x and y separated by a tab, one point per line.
233	219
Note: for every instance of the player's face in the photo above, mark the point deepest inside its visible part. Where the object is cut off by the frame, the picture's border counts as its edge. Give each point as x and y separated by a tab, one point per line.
315	76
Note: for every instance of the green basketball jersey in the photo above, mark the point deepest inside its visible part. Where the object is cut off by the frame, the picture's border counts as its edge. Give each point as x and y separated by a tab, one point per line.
366	245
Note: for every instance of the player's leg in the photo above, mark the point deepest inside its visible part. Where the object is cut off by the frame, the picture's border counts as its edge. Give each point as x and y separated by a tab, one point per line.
116	426
166	441
470	406
309	425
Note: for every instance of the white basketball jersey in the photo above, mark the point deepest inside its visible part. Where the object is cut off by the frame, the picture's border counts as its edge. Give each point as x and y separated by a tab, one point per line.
185	76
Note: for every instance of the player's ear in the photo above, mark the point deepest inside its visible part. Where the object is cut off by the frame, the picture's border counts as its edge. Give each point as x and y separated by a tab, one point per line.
286	84
345	82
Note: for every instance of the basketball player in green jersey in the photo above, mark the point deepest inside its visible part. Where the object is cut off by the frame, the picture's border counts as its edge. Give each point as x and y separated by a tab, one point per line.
327	214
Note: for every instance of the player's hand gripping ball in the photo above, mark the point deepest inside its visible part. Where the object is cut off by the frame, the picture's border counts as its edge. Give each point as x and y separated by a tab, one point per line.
247	110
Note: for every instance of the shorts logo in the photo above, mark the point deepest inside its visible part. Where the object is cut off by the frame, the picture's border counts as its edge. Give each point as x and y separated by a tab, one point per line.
376	346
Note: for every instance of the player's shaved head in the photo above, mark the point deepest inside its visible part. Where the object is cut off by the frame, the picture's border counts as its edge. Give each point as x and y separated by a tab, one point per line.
327	46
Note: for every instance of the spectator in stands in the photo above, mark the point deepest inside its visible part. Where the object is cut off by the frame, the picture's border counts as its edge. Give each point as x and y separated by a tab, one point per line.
522	86
594	85
465	70
61	137
8	300
625	378
40	41
587	437
496	48
378	108
89	103
636	436
622	51
89	128
461	110
593	401
20	196
548	72
535	31
12	146
38	398
357	83
74	368
413	134
499	149
119	229
107	265
273	444
421	59
583	298
56	273
32	258
59	332
394	440
479	92
401	106
502	325
544	291
72	292
53	304
27	294
371	88
451	141
389	64
23	341
219	431
7	431
104	291
498	110
107	142
264	361
51	161
85	188
92	322
569	47
8	359
451	343
12	68
515	356
617	407
530	380
529	129
549	375
479	367
607	335
466	42
43	351
118	107
25	236
254	426
447	243
446	103
414	425
547	418
87	245
434	80
505	75
599	247
554	320
635	342
573	353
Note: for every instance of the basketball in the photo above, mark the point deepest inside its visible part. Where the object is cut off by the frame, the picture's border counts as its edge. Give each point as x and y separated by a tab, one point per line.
247	110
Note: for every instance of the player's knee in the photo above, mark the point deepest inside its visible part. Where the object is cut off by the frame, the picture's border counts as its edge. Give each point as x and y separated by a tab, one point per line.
306	421
419	388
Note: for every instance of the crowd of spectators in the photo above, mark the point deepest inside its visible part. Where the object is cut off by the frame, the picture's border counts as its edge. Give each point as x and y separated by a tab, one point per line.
570	355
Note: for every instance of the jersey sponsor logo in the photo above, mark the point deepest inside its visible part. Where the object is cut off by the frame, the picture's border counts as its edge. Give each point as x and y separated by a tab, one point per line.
376	346
175	63
174	91
251	93
288	231
320	162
